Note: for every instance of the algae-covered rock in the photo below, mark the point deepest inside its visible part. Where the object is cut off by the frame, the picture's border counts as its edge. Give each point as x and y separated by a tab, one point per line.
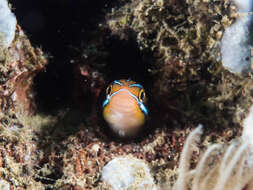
188	78
175	29
4	185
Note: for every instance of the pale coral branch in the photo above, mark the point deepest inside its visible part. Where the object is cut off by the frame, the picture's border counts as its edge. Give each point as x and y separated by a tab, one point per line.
223	177
201	165
185	158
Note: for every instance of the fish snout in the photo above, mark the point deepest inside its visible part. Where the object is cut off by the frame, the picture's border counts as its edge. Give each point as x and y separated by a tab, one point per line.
123	114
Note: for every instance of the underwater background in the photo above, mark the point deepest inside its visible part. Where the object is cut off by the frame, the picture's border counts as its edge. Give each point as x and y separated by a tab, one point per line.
53	80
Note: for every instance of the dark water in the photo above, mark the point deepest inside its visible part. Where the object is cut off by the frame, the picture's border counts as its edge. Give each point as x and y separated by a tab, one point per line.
57	26
60	28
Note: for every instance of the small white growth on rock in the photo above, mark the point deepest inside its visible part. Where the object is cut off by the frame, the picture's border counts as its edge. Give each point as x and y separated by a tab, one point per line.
123	173
4	185
243	5
95	148
235	44
7	24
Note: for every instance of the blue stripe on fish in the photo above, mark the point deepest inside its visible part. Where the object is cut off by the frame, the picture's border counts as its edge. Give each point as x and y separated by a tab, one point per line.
117	82
106	102
143	108
136	85
141	105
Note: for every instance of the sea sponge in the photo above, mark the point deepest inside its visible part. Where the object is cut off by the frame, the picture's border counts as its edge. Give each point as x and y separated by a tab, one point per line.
236	43
4	185
7	24
128	173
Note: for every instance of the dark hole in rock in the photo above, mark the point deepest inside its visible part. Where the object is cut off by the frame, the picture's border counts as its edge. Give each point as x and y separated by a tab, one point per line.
181	33
173	12
192	34
49	179
126	60
53	87
67	26
217	17
169	41
58	27
176	52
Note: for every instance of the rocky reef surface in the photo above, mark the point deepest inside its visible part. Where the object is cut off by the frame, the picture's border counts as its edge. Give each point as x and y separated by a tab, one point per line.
51	134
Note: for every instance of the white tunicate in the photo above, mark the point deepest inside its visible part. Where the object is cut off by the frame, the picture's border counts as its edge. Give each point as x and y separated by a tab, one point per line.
236	42
123	173
7	24
243	5
4	185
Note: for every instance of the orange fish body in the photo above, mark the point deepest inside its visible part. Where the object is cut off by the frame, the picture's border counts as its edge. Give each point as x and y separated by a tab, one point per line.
124	108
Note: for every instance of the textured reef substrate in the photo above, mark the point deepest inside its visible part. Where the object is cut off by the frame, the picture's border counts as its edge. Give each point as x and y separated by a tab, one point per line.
51	136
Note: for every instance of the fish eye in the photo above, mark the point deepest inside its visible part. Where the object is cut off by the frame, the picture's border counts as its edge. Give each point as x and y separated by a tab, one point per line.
141	95
109	90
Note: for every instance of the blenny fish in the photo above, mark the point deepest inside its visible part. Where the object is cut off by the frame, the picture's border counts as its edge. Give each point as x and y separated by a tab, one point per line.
124	108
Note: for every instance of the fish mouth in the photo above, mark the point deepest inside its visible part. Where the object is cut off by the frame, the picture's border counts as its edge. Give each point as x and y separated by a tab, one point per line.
124	102
123	112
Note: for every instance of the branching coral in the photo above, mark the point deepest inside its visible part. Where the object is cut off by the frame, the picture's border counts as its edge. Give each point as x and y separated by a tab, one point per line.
248	126
215	170
185	159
